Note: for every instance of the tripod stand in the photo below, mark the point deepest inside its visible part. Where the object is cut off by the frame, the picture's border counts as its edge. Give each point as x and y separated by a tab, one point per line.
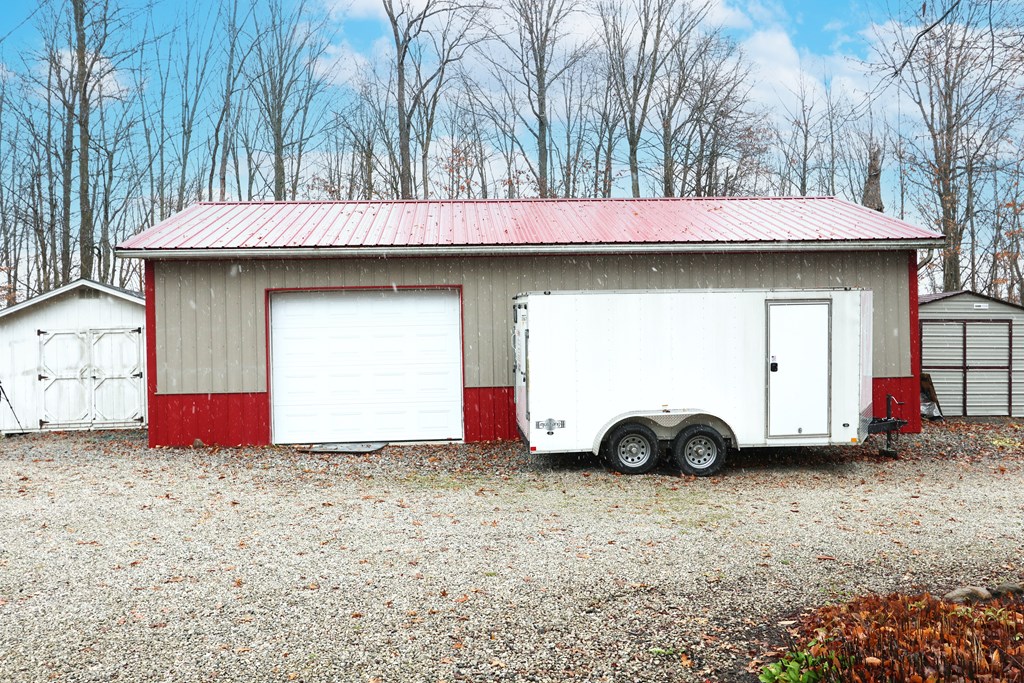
3	394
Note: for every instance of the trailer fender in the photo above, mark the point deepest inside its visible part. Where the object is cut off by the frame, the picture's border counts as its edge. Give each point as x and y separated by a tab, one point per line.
666	424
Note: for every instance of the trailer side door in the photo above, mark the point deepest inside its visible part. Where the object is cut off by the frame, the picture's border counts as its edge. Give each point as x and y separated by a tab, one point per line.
799	353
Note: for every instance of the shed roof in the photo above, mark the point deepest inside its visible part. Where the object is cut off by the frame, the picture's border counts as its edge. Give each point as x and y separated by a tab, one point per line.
937	296
925	299
125	294
446	227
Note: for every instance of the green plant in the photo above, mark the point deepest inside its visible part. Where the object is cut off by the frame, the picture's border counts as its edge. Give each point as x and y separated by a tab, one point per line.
799	666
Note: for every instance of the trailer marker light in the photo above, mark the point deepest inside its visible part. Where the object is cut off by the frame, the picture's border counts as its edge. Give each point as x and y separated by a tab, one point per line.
533	448
853	440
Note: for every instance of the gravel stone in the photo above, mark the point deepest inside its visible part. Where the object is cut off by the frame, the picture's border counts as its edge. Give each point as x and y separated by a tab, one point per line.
476	562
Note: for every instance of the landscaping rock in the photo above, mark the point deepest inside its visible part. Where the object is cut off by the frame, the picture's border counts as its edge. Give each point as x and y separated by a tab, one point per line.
967	594
1008	589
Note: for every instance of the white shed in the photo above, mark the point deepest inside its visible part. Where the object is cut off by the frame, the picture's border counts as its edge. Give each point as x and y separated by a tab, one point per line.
971	346
73	358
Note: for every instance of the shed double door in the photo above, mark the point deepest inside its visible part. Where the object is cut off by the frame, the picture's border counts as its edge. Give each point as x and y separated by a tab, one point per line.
971	365
91	379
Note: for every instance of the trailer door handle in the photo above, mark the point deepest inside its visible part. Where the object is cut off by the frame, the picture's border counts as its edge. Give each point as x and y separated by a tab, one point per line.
774	367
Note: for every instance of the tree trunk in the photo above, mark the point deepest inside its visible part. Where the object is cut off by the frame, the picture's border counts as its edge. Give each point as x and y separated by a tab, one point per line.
542	134
668	162
404	153
872	197
86	242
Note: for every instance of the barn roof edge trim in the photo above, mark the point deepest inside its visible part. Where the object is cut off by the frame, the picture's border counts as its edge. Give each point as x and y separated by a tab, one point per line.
527	250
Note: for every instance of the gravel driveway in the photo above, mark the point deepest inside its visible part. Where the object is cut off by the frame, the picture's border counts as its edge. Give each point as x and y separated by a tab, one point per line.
475	562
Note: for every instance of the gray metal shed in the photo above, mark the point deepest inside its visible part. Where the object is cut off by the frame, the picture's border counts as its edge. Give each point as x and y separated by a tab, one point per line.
971	346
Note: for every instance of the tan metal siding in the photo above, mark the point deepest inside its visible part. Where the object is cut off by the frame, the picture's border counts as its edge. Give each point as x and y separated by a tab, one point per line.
211	324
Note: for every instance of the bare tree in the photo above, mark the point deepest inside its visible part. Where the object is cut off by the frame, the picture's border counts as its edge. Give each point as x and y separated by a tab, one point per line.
236	56
962	82
640	37
192	67
286	84
429	39
719	150
532	62
799	144
872	197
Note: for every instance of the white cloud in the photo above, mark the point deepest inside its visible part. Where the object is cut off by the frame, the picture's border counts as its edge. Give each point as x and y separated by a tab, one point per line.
342	65
778	67
721	13
766	12
367	9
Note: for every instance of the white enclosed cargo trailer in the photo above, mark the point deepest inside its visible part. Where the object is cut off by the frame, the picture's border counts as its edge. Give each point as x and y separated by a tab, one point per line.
619	373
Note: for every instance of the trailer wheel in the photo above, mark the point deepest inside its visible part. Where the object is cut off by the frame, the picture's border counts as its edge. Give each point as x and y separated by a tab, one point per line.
632	448
699	450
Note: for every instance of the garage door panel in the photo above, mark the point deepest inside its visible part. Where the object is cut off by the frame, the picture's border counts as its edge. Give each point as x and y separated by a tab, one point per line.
366	365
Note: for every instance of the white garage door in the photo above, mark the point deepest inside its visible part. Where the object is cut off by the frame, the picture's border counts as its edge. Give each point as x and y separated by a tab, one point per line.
362	365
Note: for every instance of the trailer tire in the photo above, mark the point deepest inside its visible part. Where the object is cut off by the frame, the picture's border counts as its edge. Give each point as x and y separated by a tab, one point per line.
632	448
699	450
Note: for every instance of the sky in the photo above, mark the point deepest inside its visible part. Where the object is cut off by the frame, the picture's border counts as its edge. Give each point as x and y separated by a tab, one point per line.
790	43
782	37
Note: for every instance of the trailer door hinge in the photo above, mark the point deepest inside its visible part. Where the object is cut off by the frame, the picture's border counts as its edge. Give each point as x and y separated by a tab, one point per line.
549	424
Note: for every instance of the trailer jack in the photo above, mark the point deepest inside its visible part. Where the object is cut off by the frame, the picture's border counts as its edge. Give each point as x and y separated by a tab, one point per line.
887	425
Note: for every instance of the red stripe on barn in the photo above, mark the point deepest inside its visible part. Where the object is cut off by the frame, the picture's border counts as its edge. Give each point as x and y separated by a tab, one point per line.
216	419
489	414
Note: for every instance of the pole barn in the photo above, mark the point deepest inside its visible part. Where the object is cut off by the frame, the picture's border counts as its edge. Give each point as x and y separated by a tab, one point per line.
308	322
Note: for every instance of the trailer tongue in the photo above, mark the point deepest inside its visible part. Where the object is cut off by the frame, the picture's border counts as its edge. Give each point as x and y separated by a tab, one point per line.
623	373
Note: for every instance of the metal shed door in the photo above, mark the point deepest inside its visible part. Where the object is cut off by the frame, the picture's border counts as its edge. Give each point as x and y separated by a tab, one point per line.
366	365
798	369
971	365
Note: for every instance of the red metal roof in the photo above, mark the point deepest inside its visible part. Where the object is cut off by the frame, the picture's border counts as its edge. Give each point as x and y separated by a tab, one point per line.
492	224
